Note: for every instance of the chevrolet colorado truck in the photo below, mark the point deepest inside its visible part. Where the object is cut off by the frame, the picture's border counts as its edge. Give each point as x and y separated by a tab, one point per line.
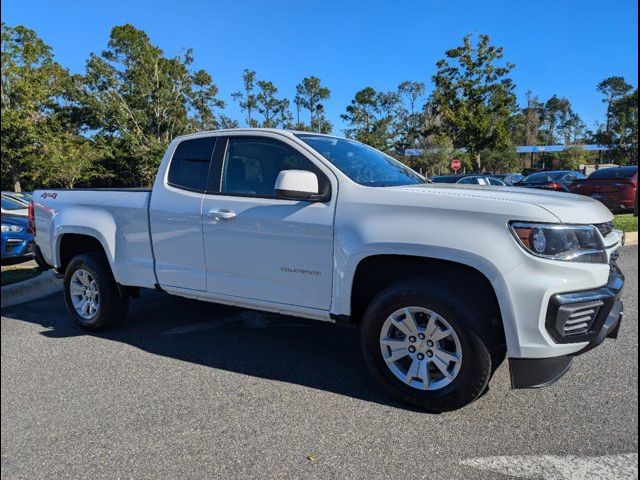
443	280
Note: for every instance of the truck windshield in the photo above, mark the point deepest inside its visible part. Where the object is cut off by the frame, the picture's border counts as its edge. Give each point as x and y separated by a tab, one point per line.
362	164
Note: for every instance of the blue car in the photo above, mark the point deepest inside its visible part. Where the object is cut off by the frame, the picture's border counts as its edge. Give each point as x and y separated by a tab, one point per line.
17	242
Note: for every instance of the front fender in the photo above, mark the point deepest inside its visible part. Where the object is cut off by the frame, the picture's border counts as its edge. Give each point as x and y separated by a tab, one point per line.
343	280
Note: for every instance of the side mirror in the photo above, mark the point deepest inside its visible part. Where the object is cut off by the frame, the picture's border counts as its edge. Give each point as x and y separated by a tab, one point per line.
297	185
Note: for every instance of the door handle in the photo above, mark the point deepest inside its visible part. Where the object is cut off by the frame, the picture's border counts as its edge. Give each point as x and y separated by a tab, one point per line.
222	214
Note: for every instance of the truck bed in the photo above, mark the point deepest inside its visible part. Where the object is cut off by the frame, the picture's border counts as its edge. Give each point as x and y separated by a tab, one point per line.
117	217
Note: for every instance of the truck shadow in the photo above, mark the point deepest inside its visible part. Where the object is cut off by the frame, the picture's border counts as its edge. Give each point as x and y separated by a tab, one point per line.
314	354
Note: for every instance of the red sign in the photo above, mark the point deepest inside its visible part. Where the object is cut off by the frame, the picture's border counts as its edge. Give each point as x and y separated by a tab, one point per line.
456	165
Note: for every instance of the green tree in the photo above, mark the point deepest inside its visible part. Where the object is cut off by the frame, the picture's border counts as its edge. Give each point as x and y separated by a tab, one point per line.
560	123
310	93
531	115
68	160
369	116
409	113
621	124
474	96
612	88
501	160
623	127
437	153
571	158
138	100
33	87
275	111
247	99
526	123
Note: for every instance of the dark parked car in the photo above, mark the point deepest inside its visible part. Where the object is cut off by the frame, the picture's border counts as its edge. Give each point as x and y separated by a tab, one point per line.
509	178
558	180
468	180
615	187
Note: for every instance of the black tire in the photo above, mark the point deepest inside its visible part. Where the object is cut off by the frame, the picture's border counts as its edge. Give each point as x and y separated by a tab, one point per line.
112	307
43	266
477	347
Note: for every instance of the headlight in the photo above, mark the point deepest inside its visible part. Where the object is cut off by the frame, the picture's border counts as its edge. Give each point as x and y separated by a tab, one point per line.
9	228
570	243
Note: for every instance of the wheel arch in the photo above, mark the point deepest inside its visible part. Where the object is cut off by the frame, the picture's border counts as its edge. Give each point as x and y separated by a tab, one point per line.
373	273
70	244
80	230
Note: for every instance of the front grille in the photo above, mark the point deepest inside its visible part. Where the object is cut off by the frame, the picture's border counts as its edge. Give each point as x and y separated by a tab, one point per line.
605	228
577	318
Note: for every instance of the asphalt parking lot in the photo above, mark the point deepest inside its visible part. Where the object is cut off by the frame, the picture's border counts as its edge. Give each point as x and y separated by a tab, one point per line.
187	389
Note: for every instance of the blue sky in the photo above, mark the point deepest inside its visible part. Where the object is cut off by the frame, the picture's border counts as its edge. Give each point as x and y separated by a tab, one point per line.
561	47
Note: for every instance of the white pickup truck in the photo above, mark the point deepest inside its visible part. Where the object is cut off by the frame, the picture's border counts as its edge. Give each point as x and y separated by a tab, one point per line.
444	280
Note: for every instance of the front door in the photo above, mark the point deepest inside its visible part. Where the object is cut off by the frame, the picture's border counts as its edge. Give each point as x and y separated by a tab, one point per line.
259	246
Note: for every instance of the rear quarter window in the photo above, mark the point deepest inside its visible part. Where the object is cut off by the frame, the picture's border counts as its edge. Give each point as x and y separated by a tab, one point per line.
189	166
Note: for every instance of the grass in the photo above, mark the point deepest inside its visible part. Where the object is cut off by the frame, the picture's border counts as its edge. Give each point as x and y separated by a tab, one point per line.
626	222
17	273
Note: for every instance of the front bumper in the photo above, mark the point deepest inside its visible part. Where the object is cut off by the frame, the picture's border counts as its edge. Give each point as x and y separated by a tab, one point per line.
606	321
16	247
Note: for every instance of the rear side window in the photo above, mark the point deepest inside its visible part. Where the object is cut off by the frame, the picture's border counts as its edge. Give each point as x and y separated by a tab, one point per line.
472	181
614	173
190	164
570	178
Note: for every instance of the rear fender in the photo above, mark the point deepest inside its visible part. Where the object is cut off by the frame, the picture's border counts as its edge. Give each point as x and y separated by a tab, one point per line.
95	223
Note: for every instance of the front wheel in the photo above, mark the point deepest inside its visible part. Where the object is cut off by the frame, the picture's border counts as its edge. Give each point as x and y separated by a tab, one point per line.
420	345
91	293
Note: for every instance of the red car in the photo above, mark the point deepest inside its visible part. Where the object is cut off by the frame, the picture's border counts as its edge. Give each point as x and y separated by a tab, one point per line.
615	187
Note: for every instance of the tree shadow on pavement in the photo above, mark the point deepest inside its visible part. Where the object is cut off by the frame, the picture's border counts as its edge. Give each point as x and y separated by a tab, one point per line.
319	355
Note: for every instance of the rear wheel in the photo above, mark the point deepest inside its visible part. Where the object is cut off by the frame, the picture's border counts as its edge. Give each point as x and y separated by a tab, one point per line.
421	346
91	293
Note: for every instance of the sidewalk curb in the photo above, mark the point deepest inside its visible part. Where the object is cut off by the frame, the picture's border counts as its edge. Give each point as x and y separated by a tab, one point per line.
631	238
41	286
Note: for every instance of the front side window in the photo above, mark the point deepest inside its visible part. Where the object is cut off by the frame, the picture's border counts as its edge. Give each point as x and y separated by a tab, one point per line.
362	164
189	167
252	165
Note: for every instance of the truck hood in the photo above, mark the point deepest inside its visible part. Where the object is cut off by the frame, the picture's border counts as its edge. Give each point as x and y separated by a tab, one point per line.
566	207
